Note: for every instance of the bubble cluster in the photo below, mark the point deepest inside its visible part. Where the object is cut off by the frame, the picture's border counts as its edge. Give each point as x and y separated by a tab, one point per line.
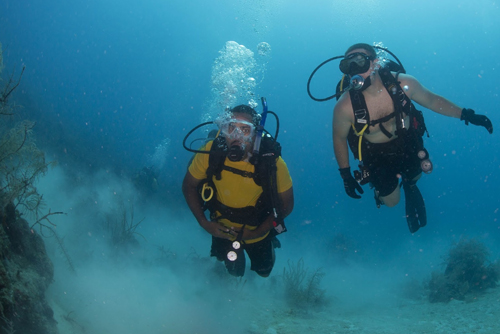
235	77
232	76
159	157
264	49
382	55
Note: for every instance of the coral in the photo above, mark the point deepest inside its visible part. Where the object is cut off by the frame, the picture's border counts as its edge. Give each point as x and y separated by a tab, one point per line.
25	273
25	269
123	231
302	288
59	241
467	273
8	89
21	164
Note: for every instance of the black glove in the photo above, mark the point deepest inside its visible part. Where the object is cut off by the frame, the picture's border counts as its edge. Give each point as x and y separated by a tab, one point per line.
350	184
468	115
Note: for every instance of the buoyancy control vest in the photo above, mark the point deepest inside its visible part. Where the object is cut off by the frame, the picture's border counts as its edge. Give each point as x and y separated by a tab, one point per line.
403	107
264	175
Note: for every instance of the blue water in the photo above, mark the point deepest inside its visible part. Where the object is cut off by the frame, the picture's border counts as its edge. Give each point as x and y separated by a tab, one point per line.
107	81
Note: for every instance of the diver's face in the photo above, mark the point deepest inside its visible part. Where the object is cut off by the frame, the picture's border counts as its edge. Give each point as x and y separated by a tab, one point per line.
357	61
240	131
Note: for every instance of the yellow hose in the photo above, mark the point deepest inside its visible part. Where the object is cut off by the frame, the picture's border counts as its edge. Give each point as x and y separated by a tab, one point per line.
360	135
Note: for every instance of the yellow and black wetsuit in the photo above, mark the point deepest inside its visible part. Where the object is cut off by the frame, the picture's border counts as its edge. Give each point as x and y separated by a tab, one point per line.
238	191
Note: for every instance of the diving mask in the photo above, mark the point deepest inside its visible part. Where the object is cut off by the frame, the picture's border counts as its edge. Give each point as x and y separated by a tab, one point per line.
236	129
355	63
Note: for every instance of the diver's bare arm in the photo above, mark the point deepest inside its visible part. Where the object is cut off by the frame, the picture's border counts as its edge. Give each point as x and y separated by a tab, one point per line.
189	189
340	128
288	201
418	93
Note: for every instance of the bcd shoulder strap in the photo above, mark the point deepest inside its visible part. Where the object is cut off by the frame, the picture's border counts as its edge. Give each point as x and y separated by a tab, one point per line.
361	115
403	104
216	158
269	153
263	176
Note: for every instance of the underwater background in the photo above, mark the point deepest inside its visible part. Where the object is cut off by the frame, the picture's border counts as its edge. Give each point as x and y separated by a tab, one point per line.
114	86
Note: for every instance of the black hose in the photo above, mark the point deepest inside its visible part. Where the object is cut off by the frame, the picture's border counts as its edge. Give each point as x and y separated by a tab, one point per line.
337	94
311	76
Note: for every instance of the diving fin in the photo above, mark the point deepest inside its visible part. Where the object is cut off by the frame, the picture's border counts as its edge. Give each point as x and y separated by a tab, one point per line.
275	242
416	217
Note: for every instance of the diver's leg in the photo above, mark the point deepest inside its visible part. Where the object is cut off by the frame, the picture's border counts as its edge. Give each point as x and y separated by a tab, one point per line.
236	267
262	256
392	199
387	188
416	178
384	177
221	248
416	160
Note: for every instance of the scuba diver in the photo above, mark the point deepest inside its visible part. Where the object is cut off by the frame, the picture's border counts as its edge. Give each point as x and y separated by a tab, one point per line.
242	180
377	119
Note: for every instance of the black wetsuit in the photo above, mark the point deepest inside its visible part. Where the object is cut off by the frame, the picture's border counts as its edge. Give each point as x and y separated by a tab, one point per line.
398	156
386	160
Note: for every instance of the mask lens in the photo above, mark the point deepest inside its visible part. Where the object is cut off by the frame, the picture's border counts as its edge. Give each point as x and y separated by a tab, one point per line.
355	63
236	129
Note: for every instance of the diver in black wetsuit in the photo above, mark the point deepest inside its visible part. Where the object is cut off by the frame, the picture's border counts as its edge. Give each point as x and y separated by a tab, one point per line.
377	119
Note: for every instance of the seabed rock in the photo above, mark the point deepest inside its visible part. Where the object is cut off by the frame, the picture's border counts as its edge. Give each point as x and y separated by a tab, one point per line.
25	273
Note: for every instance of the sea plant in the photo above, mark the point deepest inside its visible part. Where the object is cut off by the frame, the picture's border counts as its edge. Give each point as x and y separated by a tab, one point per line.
302	288
467	274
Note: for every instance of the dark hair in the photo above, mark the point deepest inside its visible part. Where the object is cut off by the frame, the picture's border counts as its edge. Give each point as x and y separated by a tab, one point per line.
367	47
244	109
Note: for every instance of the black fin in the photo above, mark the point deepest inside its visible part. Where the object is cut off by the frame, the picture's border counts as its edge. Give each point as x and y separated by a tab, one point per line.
378	201
275	242
416	215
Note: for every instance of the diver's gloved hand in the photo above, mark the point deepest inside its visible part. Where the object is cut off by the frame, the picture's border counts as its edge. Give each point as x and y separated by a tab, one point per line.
469	116
350	184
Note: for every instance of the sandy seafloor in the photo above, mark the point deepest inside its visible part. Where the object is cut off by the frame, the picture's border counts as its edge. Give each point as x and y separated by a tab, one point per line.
167	283
245	312
480	316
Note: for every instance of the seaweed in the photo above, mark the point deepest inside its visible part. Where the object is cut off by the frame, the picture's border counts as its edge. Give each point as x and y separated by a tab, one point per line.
25	270
468	273
21	162
302	287
123	230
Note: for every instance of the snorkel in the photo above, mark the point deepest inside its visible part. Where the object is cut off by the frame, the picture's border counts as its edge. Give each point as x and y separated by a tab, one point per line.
260	129
232	255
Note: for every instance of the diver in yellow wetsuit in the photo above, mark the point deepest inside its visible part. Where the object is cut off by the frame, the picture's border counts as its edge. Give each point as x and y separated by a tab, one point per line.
248	196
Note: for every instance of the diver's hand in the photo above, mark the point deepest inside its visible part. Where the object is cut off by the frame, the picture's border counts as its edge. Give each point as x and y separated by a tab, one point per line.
350	184
469	116
218	230
250	234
